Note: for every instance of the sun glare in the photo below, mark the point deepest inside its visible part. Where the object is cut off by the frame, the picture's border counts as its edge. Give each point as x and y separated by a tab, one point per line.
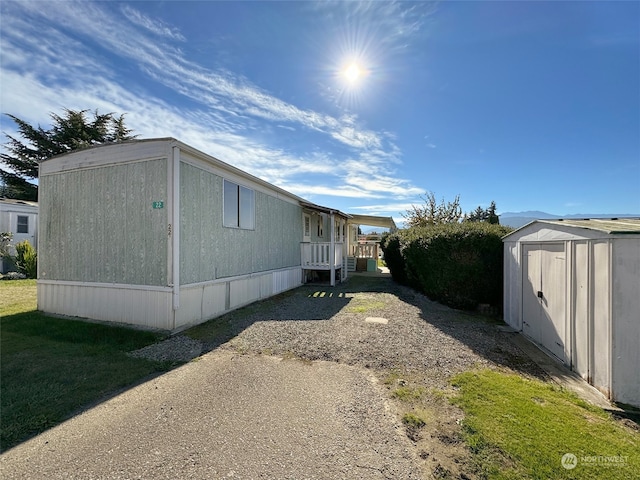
353	73
352	79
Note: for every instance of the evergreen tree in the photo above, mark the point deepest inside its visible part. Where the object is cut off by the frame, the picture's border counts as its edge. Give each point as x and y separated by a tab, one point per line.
481	215
492	217
71	131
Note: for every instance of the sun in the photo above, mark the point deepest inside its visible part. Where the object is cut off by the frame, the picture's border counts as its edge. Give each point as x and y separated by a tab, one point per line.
353	73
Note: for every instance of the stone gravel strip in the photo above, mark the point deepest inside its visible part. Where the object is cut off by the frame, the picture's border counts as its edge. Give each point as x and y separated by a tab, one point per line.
421	336
344	324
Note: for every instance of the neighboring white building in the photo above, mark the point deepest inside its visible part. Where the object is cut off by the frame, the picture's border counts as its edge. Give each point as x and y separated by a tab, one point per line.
573	287
20	218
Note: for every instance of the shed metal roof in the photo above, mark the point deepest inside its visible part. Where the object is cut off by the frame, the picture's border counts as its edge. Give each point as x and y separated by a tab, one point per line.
607	225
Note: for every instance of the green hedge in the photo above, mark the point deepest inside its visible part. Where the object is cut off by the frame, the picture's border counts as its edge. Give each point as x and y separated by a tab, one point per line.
458	264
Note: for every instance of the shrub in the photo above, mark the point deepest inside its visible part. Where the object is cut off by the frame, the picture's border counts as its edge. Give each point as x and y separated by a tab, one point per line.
458	264
391	247
27	259
5	242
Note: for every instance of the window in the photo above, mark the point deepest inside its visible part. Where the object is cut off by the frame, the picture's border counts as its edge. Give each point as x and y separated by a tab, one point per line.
23	224
336	230
239	206
320	225
307	227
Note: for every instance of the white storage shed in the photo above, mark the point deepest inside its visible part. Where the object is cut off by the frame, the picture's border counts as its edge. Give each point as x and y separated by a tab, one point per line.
573	287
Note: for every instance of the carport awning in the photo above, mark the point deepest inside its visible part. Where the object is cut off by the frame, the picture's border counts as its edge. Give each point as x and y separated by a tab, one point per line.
373	221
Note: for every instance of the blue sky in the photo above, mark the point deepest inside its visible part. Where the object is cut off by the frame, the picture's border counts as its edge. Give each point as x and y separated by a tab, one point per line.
535	105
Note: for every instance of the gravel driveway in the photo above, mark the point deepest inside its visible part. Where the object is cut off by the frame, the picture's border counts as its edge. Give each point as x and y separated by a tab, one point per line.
419	336
229	416
372	323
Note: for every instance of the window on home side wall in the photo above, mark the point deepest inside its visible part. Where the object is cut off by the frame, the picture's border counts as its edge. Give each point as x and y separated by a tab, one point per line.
307	226
239	206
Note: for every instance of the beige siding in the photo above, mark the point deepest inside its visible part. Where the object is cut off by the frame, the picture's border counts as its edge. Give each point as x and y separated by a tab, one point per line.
581	352
626	327
98	225
512	285
147	307
208	250
200	302
601	290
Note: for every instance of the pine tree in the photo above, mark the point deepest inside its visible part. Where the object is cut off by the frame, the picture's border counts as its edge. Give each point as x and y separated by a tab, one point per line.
71	131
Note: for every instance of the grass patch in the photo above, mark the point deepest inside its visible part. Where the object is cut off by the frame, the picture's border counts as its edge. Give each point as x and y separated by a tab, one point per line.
408	393
414	420
520	428
52	367
364	305
17	296
392	377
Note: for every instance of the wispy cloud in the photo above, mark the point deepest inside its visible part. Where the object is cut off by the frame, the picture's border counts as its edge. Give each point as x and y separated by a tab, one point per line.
47	68
383	209
154	26
396	21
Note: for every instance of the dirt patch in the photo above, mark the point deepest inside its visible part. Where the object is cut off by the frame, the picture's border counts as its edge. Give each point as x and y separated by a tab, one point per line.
438	442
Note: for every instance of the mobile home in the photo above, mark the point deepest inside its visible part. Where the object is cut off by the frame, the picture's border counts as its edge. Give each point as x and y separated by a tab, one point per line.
158	234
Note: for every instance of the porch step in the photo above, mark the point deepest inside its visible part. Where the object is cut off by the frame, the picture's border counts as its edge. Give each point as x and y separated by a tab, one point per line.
351	264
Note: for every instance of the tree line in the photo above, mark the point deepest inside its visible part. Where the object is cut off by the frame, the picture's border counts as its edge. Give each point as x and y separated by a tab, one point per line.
430	212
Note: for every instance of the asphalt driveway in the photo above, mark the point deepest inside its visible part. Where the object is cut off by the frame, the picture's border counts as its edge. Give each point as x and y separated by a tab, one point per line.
227	415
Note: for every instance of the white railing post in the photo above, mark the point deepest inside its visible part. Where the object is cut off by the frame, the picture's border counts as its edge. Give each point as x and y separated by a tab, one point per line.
322	255
332	251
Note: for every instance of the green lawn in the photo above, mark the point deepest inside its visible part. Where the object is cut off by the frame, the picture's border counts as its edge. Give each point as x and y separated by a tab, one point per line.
52	367
521	429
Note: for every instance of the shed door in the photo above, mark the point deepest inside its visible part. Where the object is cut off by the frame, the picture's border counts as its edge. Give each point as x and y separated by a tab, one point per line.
543	296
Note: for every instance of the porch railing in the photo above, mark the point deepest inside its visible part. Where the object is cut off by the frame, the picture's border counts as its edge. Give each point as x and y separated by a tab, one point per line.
316	255
364	250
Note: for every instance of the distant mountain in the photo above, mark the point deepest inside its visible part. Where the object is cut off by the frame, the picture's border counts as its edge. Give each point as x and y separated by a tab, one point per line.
518	219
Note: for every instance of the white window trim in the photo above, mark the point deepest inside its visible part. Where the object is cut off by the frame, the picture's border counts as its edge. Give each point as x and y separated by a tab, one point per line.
18	217
306	233
239	187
